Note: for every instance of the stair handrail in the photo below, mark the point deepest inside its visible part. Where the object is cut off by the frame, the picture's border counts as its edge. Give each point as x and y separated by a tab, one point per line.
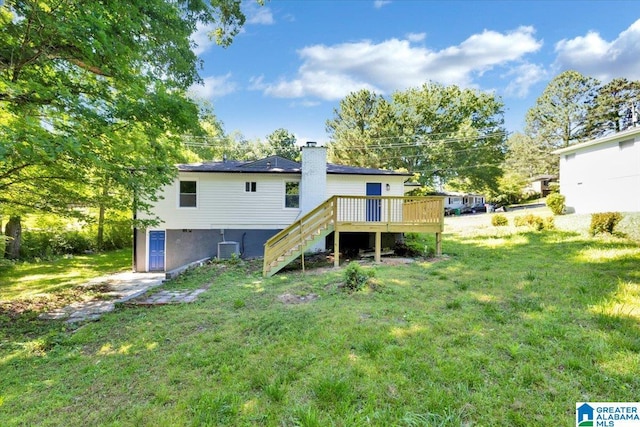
291	236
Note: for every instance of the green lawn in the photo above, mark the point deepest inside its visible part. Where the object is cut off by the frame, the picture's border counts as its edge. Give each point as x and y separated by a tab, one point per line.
29	279
509	328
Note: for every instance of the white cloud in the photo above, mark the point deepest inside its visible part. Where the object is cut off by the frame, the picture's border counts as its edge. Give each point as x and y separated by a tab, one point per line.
259	15
593	56
416	37
379	3
526	75
214	87
331	72
256	15
201	38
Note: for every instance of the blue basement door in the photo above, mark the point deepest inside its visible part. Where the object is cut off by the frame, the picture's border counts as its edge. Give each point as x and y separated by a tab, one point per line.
373	206
156	250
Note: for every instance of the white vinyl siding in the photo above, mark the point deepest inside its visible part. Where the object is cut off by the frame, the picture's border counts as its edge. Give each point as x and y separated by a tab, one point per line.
602	177
356	185
224	203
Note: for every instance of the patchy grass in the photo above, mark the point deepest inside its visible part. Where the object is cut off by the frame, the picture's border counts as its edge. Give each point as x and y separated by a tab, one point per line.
22	280
512	327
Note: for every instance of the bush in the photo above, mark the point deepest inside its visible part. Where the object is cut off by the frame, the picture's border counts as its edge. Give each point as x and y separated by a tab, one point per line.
355	277
604	222
499	220
555	202
45	244
535	222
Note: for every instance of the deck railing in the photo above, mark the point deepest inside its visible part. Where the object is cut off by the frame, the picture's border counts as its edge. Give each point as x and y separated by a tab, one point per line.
394	214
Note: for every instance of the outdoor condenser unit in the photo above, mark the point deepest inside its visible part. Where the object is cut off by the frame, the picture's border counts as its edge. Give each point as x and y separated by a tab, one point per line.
227	249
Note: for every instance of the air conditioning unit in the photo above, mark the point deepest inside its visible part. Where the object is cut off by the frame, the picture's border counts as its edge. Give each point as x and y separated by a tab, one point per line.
227	249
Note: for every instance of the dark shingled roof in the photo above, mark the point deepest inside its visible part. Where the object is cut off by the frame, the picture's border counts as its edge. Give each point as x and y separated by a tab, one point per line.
277	164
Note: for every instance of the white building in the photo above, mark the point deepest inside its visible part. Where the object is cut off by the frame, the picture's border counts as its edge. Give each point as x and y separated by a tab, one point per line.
246	203
602	175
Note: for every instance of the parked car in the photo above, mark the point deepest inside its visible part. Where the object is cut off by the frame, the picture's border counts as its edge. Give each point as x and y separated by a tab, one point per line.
478	207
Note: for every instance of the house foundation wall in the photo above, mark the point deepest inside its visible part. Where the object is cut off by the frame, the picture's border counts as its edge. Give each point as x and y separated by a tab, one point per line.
185	246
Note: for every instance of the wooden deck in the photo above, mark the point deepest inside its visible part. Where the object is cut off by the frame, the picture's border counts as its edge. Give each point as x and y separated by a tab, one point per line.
368	214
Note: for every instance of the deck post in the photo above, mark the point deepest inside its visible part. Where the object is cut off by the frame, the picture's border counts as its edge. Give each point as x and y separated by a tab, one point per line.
336	248
438	244
378	246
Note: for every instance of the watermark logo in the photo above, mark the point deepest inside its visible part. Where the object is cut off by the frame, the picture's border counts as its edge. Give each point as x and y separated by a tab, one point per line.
608	414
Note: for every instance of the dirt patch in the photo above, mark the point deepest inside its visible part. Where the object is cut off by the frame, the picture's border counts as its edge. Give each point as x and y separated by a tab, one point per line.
297	299
50	302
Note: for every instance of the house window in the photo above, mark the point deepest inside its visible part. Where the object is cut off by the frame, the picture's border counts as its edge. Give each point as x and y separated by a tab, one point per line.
188	194
292	195
250	187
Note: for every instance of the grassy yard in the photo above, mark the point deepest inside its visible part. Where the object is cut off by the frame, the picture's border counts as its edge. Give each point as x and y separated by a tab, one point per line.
510	328
29	279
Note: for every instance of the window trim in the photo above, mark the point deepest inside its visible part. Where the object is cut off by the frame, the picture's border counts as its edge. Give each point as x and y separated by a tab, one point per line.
179	198
250	186
285	195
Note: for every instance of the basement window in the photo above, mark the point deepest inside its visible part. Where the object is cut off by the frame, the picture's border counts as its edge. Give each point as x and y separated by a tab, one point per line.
188	194
250	187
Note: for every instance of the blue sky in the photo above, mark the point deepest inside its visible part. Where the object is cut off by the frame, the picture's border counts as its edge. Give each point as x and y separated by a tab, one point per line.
296	59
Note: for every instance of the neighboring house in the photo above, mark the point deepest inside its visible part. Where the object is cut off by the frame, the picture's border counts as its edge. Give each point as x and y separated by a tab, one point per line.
603	174
247	203
540	185
460	200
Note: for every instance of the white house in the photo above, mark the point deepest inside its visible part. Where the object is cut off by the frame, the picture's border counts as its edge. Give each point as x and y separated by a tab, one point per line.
247	203
454	200
602	174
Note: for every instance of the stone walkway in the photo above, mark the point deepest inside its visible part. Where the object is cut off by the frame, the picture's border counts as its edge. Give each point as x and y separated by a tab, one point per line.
122	287
167	297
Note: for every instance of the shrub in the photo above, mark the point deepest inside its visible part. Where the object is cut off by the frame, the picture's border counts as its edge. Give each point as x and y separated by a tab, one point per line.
535	222
45	244
604	222
549	223
355	277
499	220
555	202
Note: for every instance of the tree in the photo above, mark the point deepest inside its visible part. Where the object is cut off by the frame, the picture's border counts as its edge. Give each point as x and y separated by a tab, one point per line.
444	133
94	94
283	144
526	157
614	107
558	118
362	125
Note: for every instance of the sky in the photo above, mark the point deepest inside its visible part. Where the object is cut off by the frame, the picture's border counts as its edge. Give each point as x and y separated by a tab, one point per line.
294	60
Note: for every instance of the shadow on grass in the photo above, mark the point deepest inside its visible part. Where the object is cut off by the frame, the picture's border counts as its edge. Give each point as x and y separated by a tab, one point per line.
497	333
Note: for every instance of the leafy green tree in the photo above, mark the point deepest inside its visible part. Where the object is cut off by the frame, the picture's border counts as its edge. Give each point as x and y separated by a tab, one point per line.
559	117
93	94
283	144
525	156
444	133
362	127
613	107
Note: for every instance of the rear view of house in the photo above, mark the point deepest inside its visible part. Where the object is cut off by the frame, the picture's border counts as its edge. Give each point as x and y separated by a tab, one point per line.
219	208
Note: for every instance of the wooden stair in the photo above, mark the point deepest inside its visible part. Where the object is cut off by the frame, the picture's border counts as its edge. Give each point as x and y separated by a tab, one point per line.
304	233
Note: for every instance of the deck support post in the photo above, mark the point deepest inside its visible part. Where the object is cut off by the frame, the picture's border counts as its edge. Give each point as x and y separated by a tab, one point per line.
378	246
336	249
439	244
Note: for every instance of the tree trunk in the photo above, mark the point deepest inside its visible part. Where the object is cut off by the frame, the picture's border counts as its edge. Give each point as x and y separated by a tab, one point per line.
13	230
101	212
